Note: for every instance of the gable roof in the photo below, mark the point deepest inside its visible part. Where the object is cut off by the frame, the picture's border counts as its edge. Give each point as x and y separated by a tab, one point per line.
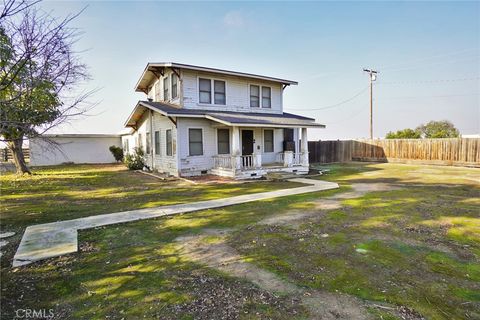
149	73
228	118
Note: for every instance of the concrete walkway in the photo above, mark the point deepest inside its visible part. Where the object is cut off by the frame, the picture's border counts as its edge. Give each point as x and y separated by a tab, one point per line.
48	240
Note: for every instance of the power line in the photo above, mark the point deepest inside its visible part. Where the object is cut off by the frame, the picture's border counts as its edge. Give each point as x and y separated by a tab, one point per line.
333	105
430	81
405	64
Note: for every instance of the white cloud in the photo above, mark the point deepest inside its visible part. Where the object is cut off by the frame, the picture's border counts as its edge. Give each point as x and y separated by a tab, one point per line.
234	19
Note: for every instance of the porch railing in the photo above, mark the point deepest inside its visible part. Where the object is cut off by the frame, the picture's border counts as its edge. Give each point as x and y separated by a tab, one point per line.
247	162
226	162
255	161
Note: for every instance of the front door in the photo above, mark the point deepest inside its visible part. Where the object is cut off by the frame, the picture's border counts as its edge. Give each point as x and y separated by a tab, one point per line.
247	142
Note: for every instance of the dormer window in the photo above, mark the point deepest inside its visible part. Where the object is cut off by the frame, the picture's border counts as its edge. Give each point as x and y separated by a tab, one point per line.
165	89
205	91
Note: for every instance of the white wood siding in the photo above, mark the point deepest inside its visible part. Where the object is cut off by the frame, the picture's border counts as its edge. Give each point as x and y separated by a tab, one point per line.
237	93
194	165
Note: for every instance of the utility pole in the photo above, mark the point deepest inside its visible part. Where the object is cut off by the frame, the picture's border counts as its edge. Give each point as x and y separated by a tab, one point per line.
373	77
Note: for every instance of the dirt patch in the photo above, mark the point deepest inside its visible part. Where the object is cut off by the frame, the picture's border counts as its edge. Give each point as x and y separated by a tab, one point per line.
220	256
294	217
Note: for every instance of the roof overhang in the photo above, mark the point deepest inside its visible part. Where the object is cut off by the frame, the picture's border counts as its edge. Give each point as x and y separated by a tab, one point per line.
231	119
155	69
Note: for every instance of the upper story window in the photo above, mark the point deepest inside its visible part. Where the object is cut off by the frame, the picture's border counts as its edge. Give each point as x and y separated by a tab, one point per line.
205	91
219	87
174	86
165	89
205	86
157	91
266	97
254	96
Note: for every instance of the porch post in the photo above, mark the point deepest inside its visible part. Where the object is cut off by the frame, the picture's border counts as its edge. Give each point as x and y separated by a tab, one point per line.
236	152
304	147
288	159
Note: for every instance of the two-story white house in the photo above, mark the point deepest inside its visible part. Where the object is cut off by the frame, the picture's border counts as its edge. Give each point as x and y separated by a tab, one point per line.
199	120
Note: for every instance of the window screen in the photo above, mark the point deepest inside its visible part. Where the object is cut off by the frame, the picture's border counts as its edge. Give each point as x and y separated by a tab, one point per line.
219	87
157	142
174	86
205	91
165	89
223	141
266	97
195	141
168	138
254	96
148	143
268	140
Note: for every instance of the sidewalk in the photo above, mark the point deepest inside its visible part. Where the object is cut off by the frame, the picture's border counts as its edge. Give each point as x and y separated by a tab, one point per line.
49	240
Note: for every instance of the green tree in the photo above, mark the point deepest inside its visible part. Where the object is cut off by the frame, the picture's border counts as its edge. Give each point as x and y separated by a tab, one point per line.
39	70
404	134
438	129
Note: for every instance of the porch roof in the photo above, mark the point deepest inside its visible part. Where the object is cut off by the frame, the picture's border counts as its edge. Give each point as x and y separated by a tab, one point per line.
229	118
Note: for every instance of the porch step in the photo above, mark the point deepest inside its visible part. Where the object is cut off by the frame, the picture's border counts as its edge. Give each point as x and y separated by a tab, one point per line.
280	175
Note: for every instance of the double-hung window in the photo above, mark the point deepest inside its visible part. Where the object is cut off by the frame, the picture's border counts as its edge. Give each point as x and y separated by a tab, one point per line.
140	141
268	140
223	141
168	138
205	86
157	142
165	89
266	97
219	87
195	142
254	96
148	143
174	86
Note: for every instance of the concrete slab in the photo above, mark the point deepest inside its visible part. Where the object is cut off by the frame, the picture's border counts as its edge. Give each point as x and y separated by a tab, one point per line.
58	238
6	234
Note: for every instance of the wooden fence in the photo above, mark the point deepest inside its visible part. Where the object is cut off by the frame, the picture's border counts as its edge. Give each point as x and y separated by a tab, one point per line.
458	151
7	156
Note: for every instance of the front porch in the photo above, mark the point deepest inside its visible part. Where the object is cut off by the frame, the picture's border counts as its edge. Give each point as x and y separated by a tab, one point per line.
250	166
247	162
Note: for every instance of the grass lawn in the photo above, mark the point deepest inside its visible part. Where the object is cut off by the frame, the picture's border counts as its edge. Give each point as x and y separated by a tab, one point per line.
414	245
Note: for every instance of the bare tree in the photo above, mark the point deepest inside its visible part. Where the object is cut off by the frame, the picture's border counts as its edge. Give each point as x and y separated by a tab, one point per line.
13	7
39	72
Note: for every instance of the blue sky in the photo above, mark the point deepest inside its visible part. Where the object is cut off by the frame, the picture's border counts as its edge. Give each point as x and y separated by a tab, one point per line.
427	54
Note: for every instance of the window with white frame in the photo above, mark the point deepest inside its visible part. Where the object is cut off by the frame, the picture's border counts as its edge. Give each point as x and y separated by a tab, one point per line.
125	146
157	142
266	97
219	92
268	140
147	147
157	91
223	141
195	142
174	86
254	96
140	141
165	89
205	88
168	140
